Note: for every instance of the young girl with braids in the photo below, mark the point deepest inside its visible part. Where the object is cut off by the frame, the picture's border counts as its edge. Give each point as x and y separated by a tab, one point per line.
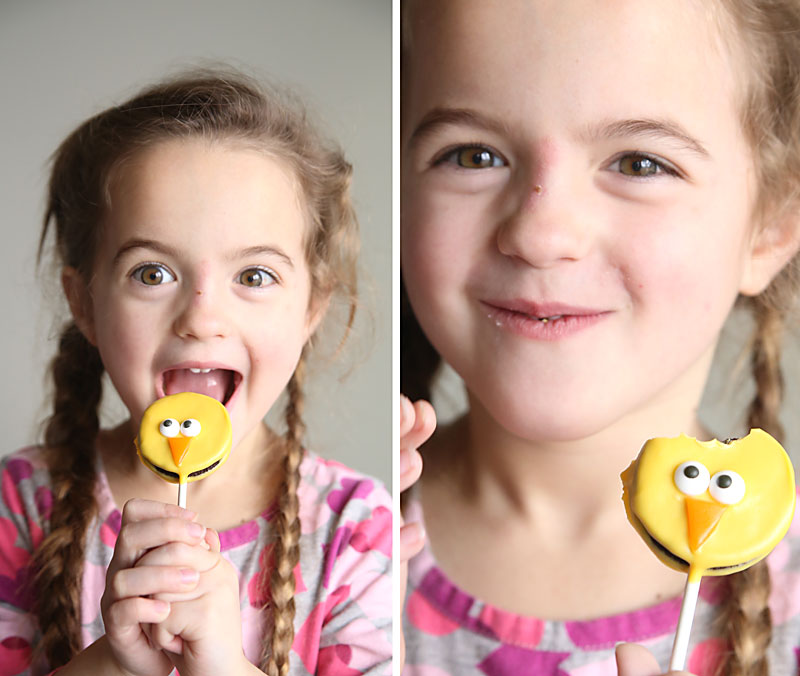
203	227
587	190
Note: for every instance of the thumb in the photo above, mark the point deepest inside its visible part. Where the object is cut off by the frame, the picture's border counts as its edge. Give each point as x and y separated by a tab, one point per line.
635	660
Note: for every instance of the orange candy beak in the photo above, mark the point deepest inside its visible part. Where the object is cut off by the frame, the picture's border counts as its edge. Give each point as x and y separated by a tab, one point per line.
702	517
179	446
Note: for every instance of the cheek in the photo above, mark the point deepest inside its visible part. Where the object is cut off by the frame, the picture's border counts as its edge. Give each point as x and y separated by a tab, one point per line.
690	258
441	238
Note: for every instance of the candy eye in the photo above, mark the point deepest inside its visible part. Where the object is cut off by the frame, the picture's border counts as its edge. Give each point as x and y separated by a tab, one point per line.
727	487
169	427
691	478
190	427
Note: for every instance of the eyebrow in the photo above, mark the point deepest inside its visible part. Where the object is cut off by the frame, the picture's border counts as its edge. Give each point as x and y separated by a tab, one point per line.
160	248
643	127
437	118
265	249
648	128
152	244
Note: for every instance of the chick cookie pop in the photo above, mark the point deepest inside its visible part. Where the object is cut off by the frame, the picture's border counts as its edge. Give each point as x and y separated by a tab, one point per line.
709	508
184	437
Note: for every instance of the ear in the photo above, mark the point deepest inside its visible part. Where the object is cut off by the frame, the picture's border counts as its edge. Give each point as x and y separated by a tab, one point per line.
771	248
80	302
317	307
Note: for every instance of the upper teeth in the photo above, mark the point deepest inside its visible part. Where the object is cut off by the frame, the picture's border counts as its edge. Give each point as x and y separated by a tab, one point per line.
200	370
544	320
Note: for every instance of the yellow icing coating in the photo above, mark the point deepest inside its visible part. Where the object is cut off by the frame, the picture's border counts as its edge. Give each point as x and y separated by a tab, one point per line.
201	454
707	536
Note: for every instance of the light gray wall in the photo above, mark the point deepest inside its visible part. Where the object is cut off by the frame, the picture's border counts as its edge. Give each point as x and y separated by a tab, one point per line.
61	62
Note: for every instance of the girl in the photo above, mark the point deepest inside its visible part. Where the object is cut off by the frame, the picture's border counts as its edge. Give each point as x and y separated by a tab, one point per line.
203	228
587	189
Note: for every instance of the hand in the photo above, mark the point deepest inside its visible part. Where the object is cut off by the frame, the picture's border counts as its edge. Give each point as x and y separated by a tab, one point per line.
126	605
636	660
417	422
203	632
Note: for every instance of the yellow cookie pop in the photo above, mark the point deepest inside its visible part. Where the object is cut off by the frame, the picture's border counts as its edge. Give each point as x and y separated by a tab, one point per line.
709	508
184	437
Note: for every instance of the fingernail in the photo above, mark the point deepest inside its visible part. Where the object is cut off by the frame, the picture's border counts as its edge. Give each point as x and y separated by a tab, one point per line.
189	575
196	530
420	415
406	408
161	607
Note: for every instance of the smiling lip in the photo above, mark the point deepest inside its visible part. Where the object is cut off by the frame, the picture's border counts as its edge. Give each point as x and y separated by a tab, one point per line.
542	321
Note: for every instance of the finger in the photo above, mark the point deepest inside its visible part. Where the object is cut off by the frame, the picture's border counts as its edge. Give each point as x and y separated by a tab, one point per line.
412	540
406	415
136	538
179	554
421	430
410	467
132	612
139	509
212	540
163	638
635	660
147	580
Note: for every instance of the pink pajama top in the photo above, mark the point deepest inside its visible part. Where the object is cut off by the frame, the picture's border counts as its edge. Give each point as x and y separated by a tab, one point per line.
449	632
344	591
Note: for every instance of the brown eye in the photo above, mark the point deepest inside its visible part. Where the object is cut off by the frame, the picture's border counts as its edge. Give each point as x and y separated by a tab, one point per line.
153	274
256	277
473	157
639	166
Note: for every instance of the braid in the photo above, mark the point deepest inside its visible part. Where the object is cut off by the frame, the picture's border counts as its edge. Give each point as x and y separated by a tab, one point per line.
287	524
69	452
746	612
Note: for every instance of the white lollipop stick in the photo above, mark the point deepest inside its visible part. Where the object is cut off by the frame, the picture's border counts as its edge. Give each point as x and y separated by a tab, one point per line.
681	645
182	495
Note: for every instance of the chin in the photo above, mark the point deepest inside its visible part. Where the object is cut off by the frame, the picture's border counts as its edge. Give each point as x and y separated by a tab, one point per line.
549	417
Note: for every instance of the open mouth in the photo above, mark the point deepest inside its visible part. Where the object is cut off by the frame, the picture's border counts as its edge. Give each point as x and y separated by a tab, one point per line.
220	384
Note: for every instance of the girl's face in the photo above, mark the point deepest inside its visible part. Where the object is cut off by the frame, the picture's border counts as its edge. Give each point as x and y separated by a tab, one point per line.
576	194
201	280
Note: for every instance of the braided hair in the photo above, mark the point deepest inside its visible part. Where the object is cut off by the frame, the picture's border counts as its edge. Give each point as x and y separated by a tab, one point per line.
209	104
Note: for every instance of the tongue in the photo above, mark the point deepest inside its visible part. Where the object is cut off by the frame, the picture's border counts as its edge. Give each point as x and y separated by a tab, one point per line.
213	384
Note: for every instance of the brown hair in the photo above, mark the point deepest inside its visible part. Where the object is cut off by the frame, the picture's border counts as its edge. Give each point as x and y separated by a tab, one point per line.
763	37
214	105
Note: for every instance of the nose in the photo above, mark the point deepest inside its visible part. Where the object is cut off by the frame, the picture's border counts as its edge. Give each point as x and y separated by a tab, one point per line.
548	224
201	313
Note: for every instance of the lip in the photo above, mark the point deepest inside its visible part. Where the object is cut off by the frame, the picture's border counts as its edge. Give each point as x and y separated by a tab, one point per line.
524	318
213	365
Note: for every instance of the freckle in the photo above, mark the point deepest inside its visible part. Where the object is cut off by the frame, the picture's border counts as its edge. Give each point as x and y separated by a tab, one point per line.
199	293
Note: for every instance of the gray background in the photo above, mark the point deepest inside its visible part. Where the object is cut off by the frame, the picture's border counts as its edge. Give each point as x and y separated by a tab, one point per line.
61	62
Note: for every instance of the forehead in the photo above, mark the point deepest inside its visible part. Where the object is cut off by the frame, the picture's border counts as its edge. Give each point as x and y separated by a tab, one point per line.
566	56
237	187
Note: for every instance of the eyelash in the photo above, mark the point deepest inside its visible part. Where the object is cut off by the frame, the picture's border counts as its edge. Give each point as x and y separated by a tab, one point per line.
662	166
451	156
138	273
271	274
